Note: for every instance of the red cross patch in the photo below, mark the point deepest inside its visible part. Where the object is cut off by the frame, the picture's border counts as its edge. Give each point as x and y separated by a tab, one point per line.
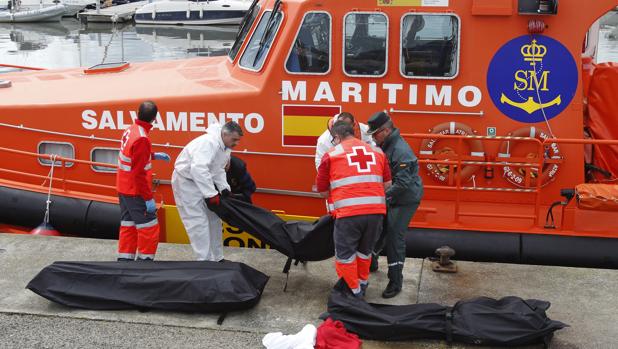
361	159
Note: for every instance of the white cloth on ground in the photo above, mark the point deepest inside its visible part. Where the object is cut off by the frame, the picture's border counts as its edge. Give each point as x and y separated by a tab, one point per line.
305	339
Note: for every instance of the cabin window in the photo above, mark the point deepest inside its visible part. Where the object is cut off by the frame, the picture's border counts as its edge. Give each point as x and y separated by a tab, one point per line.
365	44
243	30
105	155
65	150
430	46
310	53
259	45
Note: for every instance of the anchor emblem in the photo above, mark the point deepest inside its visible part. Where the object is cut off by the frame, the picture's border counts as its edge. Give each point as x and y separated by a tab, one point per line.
530	106
529	80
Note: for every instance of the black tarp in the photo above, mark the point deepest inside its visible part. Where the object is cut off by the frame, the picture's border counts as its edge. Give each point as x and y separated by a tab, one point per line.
305	241
179	286
509	321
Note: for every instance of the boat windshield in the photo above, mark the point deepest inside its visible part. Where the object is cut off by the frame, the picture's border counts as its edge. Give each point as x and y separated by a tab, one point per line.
243	30
259	44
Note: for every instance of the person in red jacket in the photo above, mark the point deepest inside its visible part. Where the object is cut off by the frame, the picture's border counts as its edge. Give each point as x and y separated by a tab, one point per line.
139	227
355	175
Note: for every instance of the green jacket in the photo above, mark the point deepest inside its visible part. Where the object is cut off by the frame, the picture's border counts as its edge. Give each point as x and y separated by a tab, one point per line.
407	185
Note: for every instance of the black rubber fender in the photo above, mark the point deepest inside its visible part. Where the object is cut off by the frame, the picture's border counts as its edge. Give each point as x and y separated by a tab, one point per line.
70	216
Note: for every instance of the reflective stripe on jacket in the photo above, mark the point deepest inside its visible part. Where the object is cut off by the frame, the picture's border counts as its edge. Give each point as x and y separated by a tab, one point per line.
356	177
134	176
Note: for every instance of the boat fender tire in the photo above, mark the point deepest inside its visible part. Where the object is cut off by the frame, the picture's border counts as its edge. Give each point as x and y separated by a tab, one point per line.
517	177
428	147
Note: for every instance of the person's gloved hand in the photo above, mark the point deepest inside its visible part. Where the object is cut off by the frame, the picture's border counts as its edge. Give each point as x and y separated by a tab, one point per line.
225	193
162	156
214	201
150	206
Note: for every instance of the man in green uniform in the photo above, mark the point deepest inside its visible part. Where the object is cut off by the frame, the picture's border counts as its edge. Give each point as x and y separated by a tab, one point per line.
402	198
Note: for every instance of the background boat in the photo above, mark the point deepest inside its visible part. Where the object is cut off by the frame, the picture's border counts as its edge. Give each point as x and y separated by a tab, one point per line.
192	12
42	14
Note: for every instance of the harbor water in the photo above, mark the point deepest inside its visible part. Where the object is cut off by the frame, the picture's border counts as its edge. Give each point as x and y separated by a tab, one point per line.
69	43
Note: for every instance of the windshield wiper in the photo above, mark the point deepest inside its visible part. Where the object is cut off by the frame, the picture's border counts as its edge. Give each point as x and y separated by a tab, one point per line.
245	20
269	27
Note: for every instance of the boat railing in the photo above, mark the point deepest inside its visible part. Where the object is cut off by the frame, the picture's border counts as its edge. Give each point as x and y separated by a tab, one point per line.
22	67
59	163
455	179
456	160
574	141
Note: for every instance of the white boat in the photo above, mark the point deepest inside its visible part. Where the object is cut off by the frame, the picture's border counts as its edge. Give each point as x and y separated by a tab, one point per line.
206	12
72	6
41	14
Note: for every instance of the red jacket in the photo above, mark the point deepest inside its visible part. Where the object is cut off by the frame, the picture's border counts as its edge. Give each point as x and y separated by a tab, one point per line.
333	335
134	176
355	173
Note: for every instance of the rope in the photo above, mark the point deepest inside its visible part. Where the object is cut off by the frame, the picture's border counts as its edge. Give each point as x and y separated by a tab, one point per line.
536	26
114	30
51	180
538	94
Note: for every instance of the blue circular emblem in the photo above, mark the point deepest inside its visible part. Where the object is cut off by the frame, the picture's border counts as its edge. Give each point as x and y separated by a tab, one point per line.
532	75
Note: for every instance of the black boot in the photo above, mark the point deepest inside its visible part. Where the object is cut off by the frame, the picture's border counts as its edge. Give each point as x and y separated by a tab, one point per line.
395	281
392	289
364	288
373	267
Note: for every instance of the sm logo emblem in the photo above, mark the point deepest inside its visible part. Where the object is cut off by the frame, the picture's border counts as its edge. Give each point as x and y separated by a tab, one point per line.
532	78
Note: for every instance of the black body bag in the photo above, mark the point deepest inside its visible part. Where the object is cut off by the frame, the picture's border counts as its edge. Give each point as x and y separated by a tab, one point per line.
509	321
303	241
201	287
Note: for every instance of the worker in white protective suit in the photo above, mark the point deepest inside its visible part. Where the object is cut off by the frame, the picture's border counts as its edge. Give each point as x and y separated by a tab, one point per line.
199	177
325	141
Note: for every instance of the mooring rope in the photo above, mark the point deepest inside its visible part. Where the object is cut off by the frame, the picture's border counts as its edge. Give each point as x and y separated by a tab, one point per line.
51	180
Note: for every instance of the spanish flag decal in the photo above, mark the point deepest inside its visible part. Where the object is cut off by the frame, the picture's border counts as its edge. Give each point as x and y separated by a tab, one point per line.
303	124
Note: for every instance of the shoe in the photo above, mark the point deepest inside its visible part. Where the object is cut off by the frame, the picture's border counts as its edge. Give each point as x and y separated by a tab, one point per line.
147	259
223	260
125	260
364	288
392	289
373	267
360	295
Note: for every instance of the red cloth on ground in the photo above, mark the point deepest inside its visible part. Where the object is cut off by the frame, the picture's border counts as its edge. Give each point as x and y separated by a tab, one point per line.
333	335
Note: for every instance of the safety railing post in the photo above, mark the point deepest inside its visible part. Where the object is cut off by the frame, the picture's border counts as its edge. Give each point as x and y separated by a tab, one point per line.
64	174
458	179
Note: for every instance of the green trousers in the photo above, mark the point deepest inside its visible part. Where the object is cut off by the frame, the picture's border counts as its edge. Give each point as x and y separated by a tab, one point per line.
393	239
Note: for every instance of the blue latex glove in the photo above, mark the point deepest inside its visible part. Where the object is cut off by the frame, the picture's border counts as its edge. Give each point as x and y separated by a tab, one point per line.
162	156
150	206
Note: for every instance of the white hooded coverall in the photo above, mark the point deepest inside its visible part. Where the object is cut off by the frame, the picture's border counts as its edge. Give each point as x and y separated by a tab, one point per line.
325	142
198	169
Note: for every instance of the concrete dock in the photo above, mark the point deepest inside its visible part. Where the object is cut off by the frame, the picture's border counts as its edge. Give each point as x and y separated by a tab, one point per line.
586	299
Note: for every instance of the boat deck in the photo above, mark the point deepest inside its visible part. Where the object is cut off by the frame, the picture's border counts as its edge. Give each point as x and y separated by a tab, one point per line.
112	14
586	299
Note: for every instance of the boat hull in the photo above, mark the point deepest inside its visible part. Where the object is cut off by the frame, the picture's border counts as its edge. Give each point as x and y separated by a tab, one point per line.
192	13
46	14
95	219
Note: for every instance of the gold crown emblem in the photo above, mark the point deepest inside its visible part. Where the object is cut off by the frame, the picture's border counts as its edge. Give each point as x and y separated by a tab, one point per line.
533	52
